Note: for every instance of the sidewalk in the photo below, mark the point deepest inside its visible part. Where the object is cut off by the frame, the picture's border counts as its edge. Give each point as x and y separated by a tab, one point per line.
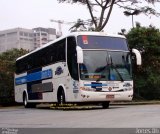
152	102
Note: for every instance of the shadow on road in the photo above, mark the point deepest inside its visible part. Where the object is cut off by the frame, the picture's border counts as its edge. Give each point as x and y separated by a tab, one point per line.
78	108
68	108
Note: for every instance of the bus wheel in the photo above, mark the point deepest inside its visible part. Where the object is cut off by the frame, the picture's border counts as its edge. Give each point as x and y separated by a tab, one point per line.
105	105
61	97
25	102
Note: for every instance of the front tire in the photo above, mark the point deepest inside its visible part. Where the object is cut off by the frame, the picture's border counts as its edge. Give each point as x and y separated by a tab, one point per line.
61	97
105	105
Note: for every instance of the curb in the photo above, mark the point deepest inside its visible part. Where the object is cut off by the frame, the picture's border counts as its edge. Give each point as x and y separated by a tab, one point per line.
136	103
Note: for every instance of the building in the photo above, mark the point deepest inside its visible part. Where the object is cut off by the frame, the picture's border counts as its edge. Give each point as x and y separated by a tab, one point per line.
28	39
43	35
16	38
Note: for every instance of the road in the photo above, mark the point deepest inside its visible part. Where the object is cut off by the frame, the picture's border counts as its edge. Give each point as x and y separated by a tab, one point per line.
123	116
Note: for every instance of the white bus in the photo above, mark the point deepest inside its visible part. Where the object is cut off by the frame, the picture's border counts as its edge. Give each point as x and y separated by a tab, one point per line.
82	67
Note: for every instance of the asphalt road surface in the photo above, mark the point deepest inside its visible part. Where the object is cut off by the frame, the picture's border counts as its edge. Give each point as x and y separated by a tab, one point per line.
124	116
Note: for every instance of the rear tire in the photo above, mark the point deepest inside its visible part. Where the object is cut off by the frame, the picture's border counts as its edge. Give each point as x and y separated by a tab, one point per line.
105	105
25	102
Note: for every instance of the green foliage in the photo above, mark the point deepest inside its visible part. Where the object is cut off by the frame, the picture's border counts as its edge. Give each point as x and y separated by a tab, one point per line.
147	77
98	20
7	69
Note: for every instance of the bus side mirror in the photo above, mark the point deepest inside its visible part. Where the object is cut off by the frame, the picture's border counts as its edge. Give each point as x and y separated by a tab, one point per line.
79	54
138	56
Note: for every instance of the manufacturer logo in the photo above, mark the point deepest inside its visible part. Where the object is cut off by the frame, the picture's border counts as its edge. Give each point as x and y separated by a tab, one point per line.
110	88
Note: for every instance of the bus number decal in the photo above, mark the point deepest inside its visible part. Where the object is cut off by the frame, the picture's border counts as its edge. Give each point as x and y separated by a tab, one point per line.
75	87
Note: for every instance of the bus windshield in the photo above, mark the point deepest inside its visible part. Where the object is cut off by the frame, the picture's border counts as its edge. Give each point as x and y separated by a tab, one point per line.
103	65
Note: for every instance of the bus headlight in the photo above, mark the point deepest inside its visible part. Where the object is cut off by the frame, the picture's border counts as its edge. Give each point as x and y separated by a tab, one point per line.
87	89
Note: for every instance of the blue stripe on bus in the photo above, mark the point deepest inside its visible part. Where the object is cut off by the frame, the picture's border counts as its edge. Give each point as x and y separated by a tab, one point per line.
95	85
41	75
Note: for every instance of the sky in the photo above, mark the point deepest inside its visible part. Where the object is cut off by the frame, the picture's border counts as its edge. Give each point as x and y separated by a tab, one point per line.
38	13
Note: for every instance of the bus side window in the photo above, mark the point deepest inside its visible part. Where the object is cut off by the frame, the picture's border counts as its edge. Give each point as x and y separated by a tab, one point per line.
52	52
61	50
72	57
19	66
57	51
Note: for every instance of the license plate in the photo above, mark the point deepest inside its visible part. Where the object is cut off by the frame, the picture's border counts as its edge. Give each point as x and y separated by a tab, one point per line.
110	96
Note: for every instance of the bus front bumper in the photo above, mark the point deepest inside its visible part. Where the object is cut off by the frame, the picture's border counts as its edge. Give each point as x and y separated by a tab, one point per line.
89	96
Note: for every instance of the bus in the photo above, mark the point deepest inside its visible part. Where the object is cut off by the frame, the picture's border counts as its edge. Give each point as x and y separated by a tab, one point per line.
82	67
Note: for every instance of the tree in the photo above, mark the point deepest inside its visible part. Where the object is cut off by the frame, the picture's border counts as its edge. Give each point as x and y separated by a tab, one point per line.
77	25
7	69
123	32
135	12
146	40
106	6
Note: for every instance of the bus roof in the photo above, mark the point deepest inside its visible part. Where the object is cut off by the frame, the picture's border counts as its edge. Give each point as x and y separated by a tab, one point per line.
71	34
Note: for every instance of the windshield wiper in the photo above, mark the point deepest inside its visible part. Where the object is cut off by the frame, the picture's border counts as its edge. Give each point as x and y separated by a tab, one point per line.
112	66
120	76
102	70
